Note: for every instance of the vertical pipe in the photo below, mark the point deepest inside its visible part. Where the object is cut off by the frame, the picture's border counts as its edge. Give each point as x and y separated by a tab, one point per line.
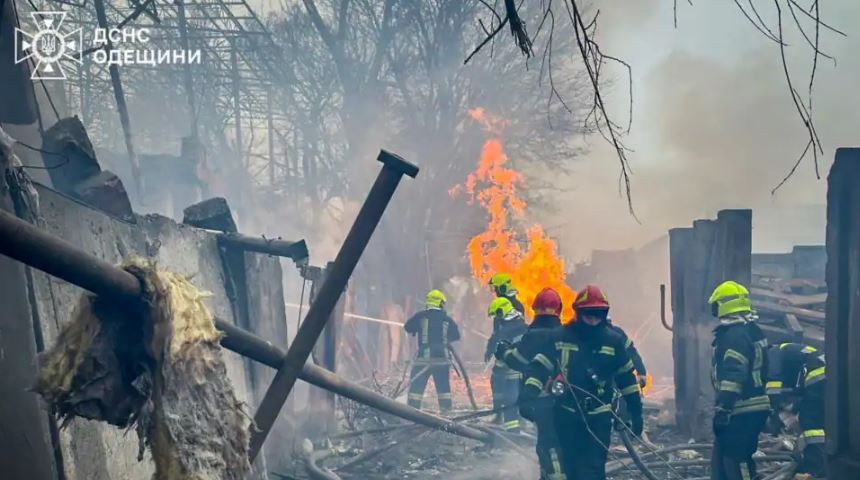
237	112
121	106
271	126
188	79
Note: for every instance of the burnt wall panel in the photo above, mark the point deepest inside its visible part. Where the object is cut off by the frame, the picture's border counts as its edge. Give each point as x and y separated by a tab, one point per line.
842	332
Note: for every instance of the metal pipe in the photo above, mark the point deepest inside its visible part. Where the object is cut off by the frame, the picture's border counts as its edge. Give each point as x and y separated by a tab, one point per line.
256	348
663	307
393	169
298	251
27	244
30	245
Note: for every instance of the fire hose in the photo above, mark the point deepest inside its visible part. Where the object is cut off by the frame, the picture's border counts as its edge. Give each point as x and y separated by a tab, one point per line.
465	375
634	455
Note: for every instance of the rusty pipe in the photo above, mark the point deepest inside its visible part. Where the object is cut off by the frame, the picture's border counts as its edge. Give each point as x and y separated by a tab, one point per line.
27	244
663	307
337	276
298	251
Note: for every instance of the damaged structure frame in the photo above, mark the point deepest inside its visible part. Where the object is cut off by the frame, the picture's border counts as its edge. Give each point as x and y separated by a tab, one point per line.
32	246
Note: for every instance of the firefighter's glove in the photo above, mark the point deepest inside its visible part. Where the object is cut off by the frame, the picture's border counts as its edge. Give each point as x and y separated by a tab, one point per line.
722	417
642	382
501	348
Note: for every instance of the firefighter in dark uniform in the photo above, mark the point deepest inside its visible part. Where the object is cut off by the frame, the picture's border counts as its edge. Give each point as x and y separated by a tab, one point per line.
739	366
508	326
435	331
547	310
633	353
584	363
796	378
503	287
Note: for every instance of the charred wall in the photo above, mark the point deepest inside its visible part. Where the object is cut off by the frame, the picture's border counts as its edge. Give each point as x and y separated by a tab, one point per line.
90	450
843	315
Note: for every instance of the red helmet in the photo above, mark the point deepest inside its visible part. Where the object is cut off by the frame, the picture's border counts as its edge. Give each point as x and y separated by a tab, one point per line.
591	297
547	302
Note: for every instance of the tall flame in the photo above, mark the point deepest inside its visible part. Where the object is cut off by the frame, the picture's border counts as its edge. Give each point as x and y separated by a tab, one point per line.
532	266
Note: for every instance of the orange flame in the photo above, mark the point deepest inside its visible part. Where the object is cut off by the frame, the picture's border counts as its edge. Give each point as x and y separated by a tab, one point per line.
532	266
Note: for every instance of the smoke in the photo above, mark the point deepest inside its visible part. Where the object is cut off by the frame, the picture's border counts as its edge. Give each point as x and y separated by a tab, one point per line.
714	126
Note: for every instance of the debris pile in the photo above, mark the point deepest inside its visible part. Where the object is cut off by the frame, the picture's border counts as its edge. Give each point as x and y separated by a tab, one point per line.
790	310
156	366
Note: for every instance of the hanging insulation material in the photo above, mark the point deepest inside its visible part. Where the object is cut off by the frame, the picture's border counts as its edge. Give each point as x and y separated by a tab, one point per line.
157	367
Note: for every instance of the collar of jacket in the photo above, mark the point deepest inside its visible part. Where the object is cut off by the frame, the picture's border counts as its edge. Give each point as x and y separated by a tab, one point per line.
545	321
736	320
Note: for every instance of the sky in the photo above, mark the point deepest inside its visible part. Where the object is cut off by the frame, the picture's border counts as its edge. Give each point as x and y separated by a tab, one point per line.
714	126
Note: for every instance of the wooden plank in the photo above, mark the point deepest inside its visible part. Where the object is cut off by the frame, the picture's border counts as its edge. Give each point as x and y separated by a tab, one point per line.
801	313
791	299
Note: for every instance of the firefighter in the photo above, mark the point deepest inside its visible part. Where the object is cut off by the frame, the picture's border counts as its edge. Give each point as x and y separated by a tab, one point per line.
738	366
508	325
435	331
547	311
796	381
633	353
583	363
503	287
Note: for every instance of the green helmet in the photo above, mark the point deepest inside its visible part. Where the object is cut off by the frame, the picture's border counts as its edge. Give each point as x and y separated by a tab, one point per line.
500	307
502	283
436	299
729	298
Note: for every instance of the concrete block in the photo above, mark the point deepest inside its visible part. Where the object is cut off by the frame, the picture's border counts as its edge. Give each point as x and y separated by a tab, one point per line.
106	192
213	214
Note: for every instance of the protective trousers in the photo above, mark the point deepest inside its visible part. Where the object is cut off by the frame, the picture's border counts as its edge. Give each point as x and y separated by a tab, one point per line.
734	446
505	384
421	372
584	443
811	413
548	448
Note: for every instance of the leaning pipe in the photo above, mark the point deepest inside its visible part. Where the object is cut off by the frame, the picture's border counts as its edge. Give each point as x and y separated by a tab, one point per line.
336	278
27	244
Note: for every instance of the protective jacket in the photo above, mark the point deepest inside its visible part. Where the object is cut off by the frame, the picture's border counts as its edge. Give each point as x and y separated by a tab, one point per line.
632	352
739	363
435	330
518	305
792	367
589	367
518	355
796	376
509	330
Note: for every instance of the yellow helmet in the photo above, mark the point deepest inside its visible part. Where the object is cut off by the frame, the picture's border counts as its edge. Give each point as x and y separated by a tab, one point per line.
730	297
500	307
502	283
436	299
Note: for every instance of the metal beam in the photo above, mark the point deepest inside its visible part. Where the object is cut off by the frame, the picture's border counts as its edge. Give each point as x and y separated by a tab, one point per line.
121	106
393	169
